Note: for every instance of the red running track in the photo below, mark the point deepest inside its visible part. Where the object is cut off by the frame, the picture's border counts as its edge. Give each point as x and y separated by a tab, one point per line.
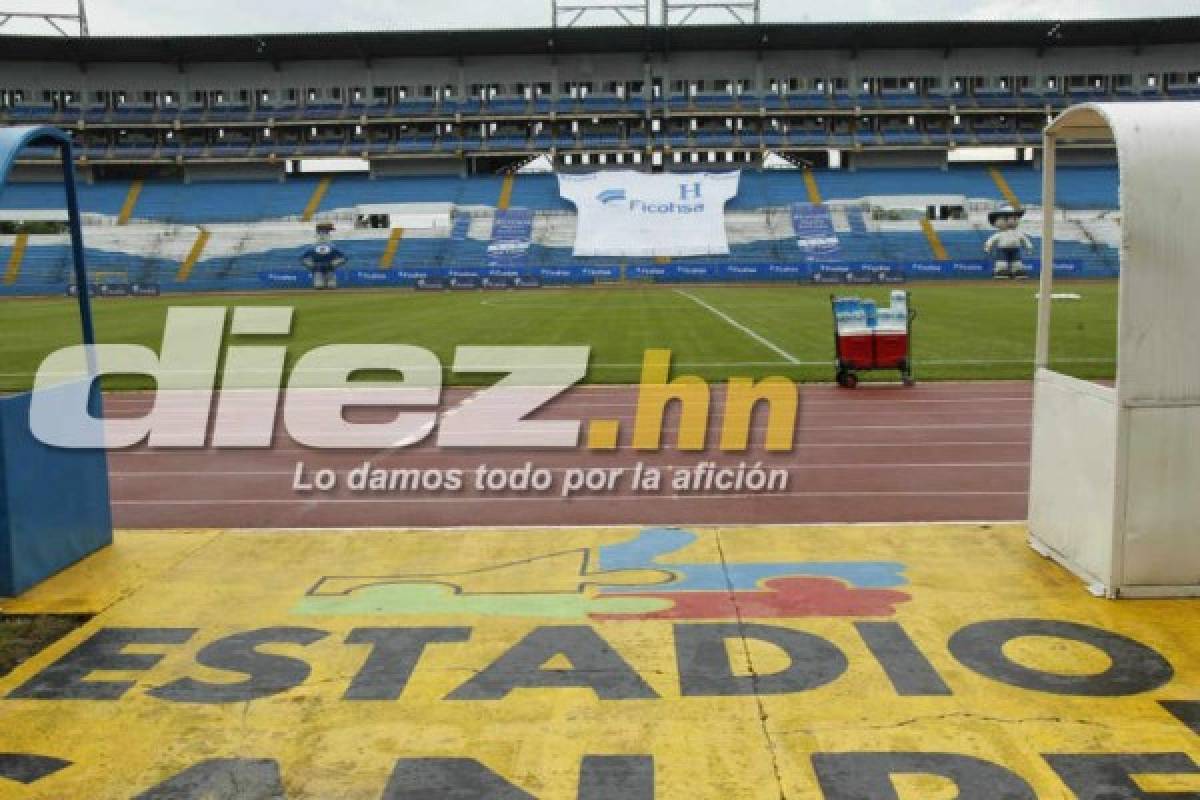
934	453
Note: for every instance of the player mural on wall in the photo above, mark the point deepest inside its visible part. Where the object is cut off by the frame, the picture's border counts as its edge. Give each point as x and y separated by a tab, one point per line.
1009	242
323	259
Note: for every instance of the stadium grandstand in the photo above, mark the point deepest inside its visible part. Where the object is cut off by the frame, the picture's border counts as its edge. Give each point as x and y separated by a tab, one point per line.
202	156
224	235
657	411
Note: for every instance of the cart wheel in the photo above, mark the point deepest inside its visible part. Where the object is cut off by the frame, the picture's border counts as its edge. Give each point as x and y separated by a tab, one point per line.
847	380
909	381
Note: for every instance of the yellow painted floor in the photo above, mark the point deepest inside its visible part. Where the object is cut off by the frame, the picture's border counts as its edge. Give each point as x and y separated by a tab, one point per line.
711	663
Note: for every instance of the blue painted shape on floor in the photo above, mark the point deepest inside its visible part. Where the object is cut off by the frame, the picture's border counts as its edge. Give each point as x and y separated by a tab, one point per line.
645	552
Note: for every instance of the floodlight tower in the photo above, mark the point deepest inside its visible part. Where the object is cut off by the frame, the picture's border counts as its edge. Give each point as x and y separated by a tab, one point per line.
680	12
569	13
52	19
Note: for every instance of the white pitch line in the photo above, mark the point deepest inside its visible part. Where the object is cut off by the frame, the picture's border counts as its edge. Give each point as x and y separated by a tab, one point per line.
748	331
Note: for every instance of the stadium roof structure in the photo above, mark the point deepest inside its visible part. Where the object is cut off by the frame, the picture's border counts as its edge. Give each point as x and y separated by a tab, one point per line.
855	36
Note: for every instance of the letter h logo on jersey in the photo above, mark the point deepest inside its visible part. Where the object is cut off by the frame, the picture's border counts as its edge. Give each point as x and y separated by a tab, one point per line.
692	192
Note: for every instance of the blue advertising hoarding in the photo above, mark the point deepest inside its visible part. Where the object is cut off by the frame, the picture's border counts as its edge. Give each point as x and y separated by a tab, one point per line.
138	289
816	235
512	236
835	272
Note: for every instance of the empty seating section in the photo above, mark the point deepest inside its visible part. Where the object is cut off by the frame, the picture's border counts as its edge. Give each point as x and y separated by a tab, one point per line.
245	201
223	201
983	98
348	192
44	270
285	146
768	189
539	192
968	181
47	268
100	198
1078	187
245	242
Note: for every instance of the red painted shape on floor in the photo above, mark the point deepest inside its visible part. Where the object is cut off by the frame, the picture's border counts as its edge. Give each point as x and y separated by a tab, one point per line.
787	598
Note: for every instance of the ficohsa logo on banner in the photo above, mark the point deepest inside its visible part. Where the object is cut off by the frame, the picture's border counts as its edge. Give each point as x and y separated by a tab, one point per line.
612	196
691	201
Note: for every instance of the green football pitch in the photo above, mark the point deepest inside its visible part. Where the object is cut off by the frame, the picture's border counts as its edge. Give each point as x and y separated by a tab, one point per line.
978	331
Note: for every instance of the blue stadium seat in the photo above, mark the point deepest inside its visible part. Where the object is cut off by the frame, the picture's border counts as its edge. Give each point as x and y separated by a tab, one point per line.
414	106
900	98
466	105
901	137
843	99
710	100
594	102
808	100
812	138
1078	187
508	105
26	113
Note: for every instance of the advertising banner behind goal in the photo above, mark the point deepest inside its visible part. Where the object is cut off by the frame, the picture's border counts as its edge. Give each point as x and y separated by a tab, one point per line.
633	214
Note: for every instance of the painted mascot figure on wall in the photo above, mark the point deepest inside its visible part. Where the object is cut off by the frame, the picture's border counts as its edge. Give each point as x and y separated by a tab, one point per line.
1008	245
323	259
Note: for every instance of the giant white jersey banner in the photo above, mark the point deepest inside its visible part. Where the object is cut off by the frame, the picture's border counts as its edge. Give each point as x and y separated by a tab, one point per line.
626	213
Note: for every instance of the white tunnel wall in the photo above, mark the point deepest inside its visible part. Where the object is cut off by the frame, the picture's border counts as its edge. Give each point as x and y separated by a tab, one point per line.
1149	538
1159	347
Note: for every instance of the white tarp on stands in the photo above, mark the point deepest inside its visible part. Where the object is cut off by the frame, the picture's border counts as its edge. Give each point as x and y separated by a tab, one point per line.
626	213
411	216
18	215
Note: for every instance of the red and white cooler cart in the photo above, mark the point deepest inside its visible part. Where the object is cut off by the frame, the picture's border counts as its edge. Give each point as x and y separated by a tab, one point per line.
866	340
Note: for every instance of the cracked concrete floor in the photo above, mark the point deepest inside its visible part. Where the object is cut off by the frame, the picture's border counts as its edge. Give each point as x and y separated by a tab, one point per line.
614	663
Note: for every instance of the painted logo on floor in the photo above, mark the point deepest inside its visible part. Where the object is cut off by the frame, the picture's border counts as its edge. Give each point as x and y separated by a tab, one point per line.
630	580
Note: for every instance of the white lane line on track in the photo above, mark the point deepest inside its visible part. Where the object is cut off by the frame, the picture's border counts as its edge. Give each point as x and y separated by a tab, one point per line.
818	395
290	452
628	415
283	437
828	393
209	474
566	403
790	359
863	399
765	342
938	387
222	501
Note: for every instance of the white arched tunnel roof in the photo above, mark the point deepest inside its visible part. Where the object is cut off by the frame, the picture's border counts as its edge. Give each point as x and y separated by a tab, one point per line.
1158	147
